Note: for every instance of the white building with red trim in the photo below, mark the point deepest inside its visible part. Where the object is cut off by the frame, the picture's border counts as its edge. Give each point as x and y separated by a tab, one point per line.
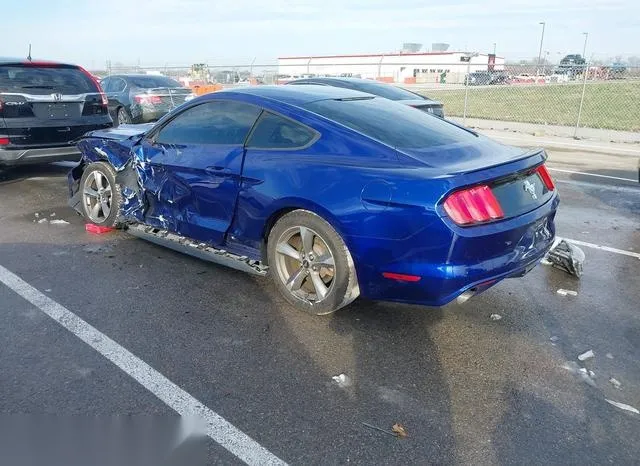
421	67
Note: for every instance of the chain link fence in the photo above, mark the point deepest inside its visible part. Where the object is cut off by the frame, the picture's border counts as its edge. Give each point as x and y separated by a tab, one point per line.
573	97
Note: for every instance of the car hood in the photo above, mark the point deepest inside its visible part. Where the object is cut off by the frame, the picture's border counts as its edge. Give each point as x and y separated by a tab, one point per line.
419	102
120	133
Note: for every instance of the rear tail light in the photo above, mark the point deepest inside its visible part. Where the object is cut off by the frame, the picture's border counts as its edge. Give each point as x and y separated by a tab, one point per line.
4	141
473	205
543	172
147	99
105	100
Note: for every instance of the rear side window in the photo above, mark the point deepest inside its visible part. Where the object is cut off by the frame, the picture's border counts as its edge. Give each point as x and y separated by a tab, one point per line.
216	122
276	132
32	79
391	123
150	82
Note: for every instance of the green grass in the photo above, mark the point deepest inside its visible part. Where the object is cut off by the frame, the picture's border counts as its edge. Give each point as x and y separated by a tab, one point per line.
611	105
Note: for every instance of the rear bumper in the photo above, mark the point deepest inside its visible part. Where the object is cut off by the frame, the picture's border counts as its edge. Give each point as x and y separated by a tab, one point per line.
39	155
475	259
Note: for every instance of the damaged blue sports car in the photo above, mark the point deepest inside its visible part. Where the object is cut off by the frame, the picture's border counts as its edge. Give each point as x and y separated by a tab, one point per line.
333	192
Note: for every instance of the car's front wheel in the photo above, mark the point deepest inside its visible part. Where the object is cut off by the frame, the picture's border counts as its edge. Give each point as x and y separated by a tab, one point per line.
310	263
101	198
123	117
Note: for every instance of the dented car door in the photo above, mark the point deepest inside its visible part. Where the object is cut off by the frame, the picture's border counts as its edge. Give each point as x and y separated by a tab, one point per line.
195	168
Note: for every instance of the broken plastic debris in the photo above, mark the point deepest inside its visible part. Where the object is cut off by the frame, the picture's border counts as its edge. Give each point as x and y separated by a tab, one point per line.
581	372
586	355
545	261
58	221
37	215
568	257
97	229
615	382
564	292
622	406
342	380
496	317
43	220
609	356
554	338
399	430
53	214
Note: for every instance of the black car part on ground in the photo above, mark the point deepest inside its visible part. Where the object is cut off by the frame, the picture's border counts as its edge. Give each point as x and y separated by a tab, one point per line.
44	107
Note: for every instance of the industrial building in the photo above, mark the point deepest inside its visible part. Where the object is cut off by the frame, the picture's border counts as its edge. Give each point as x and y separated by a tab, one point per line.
400	67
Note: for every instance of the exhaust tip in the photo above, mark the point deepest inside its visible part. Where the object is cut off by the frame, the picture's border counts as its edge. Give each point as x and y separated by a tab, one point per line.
464	297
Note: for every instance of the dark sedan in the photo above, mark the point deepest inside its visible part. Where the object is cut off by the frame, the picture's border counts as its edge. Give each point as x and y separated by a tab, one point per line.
141	98
387	91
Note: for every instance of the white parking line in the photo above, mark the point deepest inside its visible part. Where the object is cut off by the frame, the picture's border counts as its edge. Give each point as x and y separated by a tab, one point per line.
221	431
602	248
590	174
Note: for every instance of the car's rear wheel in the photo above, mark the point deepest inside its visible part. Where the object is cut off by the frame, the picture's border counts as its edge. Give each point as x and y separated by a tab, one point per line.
123	117
310	263
101	197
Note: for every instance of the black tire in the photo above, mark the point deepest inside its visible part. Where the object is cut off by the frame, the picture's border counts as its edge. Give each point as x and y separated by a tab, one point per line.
107	171
343	286
122	117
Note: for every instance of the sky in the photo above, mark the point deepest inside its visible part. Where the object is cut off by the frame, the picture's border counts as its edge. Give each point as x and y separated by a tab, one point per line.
224	32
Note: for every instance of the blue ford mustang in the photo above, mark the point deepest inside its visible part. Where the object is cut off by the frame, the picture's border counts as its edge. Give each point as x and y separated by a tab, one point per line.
333	192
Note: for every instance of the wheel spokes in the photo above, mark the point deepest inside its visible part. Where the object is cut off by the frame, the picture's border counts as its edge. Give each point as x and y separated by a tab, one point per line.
307	240
99	179
106	209
89	191
318	284
287	250
326	260
95	210
297	278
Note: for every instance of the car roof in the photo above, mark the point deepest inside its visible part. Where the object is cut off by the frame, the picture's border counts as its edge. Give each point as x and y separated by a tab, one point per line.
297	95
138	75
24	61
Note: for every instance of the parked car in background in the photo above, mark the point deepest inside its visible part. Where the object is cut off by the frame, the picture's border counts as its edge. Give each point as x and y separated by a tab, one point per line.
335	193
44	107
485	78
387	91
142	98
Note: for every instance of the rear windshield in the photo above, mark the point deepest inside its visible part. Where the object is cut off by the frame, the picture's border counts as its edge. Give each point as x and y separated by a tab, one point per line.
149	82
391	123
383	90
30	79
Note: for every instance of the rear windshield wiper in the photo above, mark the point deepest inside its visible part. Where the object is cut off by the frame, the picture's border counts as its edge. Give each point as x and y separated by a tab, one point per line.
348	99
37	87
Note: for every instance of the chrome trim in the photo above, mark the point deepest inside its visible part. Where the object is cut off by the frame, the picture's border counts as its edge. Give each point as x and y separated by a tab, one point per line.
50	97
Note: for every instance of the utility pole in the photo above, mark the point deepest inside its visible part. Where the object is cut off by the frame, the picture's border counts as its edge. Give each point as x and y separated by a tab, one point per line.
541	41
584	48
494	48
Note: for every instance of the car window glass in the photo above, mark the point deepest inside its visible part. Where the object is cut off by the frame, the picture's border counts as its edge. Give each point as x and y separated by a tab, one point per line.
118	85
220	122
34	79
150	82
106	84
276	132
391	123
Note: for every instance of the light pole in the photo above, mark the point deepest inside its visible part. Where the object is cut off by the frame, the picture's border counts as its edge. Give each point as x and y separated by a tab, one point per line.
584	48
494	48
541	41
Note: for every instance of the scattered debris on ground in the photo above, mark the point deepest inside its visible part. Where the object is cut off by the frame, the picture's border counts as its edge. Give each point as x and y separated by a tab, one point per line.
585	375
342	380
378	428
97	229
622	406
53	214
566	256
43	220
554	339
586	355
615	382
496	317
399	430
609	356
564	292
58	221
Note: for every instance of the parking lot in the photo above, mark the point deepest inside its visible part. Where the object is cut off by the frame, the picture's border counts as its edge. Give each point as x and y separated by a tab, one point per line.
146	331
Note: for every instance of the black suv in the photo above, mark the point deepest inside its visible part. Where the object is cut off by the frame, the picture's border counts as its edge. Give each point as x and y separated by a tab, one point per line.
44	107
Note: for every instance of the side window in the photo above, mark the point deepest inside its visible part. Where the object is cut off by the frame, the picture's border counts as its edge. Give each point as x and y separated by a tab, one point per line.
118	85
218	122
276	132
106	84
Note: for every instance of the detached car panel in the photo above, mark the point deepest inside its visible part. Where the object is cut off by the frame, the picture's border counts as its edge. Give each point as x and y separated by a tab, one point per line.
337	193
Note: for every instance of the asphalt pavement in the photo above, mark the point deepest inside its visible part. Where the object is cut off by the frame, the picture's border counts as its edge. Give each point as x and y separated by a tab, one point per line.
151	333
